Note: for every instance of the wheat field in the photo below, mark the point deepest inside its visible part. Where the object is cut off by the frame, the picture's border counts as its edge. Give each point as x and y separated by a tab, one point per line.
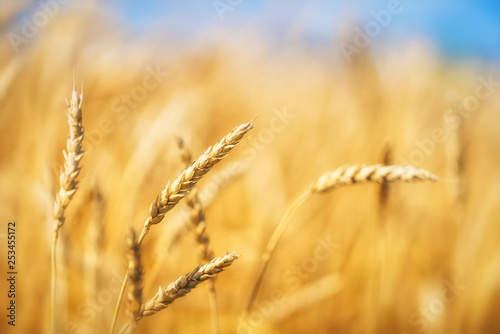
212	142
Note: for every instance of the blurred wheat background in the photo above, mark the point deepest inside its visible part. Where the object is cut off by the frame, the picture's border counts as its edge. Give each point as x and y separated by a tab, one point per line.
416	258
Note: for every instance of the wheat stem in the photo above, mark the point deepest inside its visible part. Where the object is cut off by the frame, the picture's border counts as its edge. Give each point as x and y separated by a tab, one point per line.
135	278
177	190
68	186
273	241
53	284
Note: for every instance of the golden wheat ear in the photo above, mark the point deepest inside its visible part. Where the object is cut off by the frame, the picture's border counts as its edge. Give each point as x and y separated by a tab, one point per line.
183	285
185	182
68	184
353	174
342	176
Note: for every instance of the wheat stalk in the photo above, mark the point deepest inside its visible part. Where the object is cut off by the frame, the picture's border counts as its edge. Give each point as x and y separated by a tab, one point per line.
342	176
94	248
184	183
135	279
384	186
455	169
378	265
68	184
199	225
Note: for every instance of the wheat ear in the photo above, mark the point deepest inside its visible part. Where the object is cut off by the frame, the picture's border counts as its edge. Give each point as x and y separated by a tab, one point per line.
202	239
345	175
184	284
68	184
184	183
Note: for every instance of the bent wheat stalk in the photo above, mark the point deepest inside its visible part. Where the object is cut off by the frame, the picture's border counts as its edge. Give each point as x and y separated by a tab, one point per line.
184	183
342	176
184	284
68	185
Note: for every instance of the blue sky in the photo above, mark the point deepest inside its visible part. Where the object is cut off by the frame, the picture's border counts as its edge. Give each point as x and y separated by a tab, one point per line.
459	29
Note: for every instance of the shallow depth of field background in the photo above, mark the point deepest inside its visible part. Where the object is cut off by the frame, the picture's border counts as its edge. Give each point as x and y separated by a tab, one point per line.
429	263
